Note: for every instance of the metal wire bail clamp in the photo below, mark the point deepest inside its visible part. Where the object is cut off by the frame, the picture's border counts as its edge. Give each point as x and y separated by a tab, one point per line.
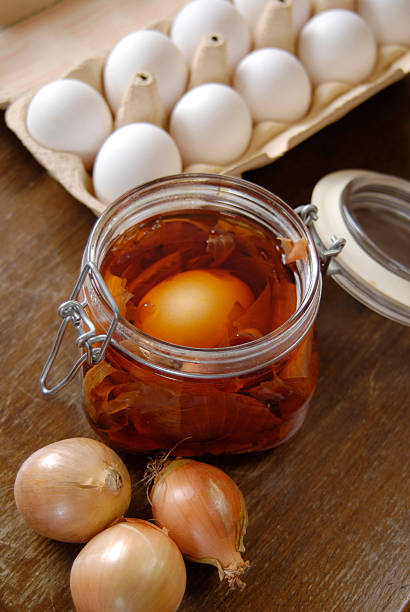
309	214
75	312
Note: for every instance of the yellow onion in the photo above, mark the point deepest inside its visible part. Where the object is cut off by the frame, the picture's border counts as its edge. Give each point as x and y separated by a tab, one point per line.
132	566
72	489
205	514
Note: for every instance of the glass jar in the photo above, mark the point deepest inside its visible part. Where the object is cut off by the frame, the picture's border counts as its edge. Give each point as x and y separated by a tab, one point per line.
142	394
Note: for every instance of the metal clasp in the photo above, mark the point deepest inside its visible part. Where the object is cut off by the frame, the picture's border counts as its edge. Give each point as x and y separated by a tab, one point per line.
326	255
309	214
75	312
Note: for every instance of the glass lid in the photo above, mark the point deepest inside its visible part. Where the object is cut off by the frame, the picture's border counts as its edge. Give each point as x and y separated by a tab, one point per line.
372	212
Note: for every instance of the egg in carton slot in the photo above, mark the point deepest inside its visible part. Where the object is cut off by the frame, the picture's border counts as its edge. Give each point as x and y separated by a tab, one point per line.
264	141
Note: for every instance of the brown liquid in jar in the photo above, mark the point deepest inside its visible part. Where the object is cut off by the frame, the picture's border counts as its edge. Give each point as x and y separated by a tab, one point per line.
137	408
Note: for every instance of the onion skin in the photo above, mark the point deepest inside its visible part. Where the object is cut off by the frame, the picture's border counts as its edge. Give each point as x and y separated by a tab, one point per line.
72	489
132	566
204	512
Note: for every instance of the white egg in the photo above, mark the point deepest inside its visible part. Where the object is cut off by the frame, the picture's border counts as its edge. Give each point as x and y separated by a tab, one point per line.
202	17
211	124
337	45
145	51
389	19
132	155
252	9
71	116
274	84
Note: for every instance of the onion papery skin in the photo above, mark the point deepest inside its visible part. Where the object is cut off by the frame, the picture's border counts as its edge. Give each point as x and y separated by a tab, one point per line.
132	566
205	513
72	489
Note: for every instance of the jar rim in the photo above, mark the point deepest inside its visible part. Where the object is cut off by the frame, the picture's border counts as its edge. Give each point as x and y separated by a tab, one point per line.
254	202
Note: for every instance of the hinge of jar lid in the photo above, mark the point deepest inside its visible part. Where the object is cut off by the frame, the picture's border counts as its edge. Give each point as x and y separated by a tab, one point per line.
75	312
309	214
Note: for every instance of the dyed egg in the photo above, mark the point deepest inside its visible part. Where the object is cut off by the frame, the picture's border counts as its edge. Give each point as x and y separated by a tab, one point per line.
274	85
211	124
71	116
200	18
192	308
390	21
145	51
132	155
337	45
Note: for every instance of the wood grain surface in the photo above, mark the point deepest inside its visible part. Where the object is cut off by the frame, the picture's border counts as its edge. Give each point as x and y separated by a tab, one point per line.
62	35
329	520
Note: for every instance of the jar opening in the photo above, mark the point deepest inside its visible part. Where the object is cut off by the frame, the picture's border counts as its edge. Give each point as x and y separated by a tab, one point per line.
234	198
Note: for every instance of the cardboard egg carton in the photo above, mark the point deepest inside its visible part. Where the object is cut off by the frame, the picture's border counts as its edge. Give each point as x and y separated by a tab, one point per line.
270	139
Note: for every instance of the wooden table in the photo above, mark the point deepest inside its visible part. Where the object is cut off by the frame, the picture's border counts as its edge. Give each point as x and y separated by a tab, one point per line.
329	522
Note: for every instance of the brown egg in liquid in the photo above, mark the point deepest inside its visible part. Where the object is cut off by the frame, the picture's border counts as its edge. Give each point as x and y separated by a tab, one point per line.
192	308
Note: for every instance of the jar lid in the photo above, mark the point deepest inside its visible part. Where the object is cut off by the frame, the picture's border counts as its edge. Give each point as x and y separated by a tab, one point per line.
371	211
